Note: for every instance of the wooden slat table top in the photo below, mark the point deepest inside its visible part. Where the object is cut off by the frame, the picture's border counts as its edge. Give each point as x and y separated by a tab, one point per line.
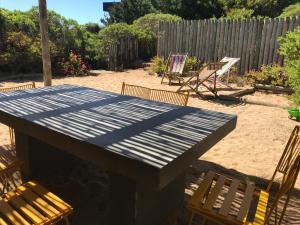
131	132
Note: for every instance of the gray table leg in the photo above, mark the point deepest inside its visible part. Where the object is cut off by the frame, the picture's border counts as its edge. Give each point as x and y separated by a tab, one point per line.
133	204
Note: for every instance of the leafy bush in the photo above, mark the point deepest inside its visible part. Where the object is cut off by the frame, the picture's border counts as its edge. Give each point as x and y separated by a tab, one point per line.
268	74
189	64
239	13
73	66
291	10
149	23
20	51
158	65
289	47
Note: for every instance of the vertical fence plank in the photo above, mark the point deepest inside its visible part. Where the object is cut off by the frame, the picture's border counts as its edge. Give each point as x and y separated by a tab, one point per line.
272	41
247	49
276	46
268	40
233	34
255	25
198	37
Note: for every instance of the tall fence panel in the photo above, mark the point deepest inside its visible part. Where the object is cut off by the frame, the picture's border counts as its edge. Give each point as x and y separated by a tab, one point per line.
252	40
124	53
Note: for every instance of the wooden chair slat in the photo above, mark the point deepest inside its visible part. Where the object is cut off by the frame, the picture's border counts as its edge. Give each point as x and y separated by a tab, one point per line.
202	189
27	210
233	188
155	94
38	202
49	196
261	209
11	215
211	199
2	222
246	202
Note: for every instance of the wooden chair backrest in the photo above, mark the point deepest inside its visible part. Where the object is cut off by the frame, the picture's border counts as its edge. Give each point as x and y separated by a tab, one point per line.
135	91
169	97
286	188
176	63
155	94
289	155
21	87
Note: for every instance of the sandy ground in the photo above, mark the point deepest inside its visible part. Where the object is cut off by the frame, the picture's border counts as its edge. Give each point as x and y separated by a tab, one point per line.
251	151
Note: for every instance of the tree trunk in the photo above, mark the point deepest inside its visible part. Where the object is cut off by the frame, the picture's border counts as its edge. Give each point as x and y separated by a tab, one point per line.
45	43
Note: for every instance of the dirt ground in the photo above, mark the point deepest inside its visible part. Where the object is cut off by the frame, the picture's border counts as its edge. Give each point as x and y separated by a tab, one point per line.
250	152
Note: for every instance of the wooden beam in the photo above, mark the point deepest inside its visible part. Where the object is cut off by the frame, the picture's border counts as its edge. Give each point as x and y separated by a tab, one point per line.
45	43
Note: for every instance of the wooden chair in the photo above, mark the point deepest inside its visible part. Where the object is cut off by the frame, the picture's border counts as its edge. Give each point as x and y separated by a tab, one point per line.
169	97
214	198
155	94
31	203
135	91
206	73
21	87
175	66
10	174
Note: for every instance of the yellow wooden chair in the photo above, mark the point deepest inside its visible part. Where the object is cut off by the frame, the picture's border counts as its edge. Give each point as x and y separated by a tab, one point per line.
135	91
169	97
10	174
155	94
30	203
217	193
21	87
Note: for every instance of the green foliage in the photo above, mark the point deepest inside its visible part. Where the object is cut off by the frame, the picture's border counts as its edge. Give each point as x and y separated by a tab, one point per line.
127	11
114	33
73	66
262	8
291	10
239	13
268	74
20	50
189	64
158	65
149	23
289	47
20	39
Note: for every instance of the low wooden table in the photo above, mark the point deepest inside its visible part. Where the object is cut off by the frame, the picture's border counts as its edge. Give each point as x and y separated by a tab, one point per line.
146	146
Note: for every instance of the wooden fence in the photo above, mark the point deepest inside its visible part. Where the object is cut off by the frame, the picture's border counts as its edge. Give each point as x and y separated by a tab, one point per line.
125	53
252	40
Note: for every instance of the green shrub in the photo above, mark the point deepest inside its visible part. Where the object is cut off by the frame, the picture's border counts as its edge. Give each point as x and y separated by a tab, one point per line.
21	50
291	10
189	64
158	65
239	13
268	74
289	47
149	23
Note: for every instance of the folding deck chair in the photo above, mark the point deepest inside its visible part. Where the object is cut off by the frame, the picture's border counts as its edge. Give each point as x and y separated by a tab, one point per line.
211	72
229	63
175	66
206	73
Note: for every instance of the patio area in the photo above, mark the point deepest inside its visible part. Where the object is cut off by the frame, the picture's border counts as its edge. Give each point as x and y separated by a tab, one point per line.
250	152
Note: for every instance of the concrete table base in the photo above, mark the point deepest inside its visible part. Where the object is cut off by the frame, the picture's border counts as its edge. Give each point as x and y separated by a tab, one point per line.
130	203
